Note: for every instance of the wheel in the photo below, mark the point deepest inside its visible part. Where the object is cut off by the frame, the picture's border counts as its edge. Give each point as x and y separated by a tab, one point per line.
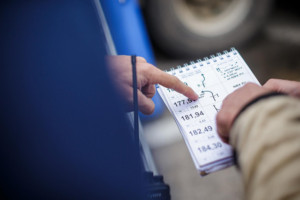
185	28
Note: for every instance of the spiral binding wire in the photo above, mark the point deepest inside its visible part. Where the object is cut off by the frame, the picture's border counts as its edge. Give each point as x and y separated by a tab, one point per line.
207	60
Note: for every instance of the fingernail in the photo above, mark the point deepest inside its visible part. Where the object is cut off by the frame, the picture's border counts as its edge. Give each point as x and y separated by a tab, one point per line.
195	96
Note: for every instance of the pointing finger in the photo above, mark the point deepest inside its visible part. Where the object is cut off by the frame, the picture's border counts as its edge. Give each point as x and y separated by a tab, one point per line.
159	77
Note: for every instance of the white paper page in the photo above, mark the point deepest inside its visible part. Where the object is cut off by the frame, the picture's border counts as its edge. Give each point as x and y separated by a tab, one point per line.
212	79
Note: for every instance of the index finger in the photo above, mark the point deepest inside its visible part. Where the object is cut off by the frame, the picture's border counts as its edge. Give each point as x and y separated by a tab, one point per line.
169	81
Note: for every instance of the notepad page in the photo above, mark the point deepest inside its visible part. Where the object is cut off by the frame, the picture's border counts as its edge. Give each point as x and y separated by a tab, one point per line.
212	79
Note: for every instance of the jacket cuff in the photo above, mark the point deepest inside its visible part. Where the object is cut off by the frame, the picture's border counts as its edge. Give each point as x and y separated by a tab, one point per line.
259	98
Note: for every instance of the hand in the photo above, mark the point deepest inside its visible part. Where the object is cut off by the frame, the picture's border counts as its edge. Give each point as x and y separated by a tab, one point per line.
233	104
291	88
147	77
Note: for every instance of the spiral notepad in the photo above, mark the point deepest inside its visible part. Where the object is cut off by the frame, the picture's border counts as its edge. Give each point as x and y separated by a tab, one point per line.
212	79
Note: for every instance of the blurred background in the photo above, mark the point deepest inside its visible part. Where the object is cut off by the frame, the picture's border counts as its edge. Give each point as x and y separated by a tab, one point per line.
267	35
265	32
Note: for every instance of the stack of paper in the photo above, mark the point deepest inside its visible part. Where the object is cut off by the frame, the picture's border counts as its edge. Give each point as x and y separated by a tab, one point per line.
212	79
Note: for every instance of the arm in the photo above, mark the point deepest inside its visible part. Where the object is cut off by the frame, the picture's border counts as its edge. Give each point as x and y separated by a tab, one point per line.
267	140
147	77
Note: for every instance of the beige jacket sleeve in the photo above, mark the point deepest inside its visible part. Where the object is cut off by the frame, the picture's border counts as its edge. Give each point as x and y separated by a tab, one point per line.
266	137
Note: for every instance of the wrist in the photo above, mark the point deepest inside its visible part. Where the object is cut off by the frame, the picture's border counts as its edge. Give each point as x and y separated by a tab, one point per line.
257	99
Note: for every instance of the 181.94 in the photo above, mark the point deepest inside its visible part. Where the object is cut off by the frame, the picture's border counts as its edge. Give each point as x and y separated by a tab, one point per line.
192	115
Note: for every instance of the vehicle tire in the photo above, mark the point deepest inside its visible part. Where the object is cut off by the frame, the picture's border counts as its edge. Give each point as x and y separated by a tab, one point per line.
185	28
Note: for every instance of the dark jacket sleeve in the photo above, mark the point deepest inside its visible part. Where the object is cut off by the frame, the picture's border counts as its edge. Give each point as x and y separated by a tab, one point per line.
63	130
